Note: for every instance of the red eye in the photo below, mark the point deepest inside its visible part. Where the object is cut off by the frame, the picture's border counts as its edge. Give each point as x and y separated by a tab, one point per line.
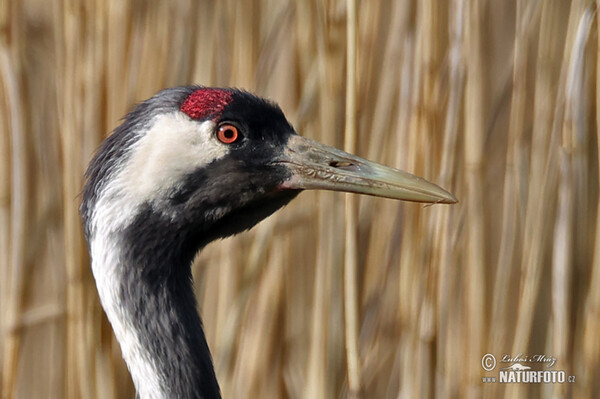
227	133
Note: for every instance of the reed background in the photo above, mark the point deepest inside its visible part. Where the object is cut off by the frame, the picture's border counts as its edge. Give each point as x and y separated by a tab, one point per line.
496	101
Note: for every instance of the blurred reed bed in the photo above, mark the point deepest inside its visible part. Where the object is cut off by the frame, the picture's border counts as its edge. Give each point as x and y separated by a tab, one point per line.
331	297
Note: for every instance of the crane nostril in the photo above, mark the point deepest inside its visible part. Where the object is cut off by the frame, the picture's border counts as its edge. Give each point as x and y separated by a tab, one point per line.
345	165
337	164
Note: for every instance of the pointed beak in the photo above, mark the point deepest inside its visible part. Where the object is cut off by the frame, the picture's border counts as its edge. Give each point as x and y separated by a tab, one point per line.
315	166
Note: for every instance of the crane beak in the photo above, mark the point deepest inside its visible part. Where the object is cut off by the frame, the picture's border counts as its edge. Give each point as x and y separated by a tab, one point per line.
316	166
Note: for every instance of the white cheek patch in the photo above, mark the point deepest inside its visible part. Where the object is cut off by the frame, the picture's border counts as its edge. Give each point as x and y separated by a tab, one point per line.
173	146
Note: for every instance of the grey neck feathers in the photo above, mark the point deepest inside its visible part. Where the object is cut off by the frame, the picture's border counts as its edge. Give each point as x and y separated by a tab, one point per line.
147	293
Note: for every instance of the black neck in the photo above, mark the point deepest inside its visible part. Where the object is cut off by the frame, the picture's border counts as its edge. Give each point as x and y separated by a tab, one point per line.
156	289
157	292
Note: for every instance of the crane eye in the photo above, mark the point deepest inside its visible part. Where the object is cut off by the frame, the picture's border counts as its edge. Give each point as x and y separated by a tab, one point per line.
227	133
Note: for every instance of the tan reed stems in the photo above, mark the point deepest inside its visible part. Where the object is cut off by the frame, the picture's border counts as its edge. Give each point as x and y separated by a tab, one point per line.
572	184
591	345
492	100
474	140
445	217
15	269
351	311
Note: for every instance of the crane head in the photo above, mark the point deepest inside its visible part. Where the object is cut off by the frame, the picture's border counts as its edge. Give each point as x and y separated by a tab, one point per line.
219	160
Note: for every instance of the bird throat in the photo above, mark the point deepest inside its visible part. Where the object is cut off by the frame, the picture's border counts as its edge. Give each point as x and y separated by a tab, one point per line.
147	293
143	276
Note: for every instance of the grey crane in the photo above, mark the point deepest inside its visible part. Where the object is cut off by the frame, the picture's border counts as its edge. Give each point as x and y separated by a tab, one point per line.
185	167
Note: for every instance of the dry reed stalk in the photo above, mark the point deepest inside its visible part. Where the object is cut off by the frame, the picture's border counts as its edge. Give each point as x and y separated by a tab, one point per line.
475	260
5	189
350	251
4	176
571	152
4	194
449	384
591	344
15	271
562	256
